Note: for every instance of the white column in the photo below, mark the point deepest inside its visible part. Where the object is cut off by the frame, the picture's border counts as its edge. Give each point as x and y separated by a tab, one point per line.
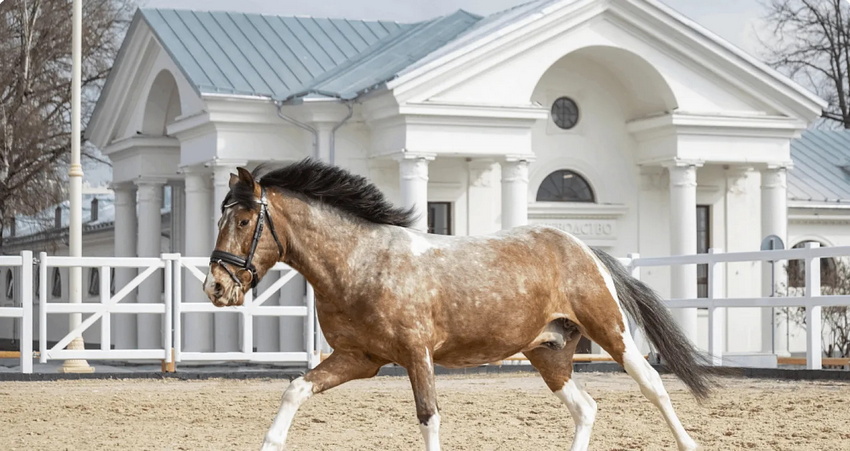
149	245
482	209
413	172
683	241
197	327
226	325
774	221
515	192
124	326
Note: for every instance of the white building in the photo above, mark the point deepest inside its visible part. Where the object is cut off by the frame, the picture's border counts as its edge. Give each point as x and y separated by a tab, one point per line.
620	121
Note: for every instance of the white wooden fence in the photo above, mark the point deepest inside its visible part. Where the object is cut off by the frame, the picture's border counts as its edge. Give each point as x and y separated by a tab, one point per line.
717	300
252	307
173	308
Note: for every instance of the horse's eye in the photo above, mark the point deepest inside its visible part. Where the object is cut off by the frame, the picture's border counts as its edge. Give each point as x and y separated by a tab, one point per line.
243	223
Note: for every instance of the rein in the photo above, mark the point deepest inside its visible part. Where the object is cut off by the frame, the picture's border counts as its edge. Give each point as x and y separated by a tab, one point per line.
224	259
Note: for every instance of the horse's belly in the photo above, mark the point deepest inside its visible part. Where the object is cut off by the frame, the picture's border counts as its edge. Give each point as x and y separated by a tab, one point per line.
471	359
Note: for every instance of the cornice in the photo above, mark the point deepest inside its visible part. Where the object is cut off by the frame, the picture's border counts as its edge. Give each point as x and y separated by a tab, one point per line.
575	210
708	124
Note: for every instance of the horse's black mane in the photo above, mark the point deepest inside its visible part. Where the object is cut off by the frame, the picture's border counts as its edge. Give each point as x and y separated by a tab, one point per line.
330	185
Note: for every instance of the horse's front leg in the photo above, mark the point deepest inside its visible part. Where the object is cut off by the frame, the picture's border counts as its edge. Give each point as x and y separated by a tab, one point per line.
420	368
339	368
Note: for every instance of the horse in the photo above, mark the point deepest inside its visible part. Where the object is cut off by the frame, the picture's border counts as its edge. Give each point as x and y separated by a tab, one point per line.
386	293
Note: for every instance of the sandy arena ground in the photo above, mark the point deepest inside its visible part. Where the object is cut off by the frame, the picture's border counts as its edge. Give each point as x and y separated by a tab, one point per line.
510	412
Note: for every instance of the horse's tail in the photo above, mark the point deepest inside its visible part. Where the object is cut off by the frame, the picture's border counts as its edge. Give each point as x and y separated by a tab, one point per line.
646	308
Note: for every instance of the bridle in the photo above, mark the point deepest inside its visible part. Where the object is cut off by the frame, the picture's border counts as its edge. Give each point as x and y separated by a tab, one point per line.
223	258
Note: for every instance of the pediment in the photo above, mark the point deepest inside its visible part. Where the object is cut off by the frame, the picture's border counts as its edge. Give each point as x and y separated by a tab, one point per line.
705	74
120	110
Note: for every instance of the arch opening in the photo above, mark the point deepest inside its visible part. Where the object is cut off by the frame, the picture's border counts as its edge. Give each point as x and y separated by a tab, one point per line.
162	106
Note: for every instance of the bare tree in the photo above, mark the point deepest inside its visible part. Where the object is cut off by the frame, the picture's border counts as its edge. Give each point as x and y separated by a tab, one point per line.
35	92
812	45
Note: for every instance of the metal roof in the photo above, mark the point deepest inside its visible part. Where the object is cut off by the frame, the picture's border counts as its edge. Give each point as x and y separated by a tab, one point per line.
284	57
821	171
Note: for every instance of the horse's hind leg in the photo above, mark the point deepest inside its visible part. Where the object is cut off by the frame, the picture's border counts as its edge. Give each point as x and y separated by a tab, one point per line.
653	389
556	367
338	368
614	337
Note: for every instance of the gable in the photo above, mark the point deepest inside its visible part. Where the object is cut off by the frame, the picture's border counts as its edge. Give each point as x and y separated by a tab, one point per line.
502	58
140	64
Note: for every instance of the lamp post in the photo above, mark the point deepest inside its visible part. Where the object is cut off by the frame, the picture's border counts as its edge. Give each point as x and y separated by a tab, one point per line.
75	176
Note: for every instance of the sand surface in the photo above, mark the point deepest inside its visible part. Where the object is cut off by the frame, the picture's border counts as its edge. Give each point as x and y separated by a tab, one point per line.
510	412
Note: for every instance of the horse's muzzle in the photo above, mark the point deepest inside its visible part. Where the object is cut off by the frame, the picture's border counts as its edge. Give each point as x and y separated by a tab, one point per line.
222	295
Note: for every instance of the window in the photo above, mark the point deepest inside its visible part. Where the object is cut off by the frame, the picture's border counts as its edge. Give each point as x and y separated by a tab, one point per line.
703	244
94	281
10	284
796	270
57	283
565	113
440	218
565	186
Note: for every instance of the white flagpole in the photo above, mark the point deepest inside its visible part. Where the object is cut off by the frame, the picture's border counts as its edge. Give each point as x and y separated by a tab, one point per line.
75	175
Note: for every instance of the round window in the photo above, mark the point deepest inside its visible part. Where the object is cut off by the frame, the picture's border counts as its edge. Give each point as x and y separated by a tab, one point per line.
565	113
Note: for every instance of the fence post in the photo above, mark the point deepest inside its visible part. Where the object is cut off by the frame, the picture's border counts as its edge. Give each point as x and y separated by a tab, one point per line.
42	307
26	319
168	317
716	315
178	303
106	320
814	351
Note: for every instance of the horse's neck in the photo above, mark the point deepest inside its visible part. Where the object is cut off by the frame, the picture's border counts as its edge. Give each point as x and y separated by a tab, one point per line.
321	244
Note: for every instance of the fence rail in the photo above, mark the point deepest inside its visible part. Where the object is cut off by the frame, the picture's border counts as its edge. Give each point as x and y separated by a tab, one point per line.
173	307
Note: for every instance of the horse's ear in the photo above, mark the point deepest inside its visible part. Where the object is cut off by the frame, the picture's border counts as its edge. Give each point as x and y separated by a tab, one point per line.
243	177
234	179
247	178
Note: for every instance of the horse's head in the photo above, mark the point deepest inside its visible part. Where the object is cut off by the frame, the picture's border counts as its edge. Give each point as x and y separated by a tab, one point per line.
247	244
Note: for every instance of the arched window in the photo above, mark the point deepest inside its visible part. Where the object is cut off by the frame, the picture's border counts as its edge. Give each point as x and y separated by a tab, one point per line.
565	186
796	270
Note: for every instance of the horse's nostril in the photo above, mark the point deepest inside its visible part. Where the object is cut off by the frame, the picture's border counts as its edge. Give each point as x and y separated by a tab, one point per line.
218	287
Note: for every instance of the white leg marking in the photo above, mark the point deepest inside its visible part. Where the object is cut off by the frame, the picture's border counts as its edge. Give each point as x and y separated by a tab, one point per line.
583	409
431	433
295	395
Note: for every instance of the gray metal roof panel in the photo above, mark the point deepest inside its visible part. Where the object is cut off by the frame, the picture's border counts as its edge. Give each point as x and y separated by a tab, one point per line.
818	175
236	53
